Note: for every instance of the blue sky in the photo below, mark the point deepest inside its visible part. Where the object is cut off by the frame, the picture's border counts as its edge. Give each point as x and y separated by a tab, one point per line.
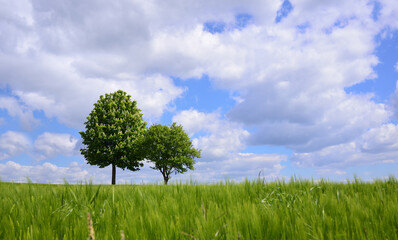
304	88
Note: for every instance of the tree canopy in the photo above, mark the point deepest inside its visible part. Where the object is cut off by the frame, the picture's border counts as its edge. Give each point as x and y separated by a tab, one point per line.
112	130
169	148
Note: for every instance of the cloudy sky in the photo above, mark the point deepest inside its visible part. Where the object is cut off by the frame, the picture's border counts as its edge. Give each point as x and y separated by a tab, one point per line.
285	87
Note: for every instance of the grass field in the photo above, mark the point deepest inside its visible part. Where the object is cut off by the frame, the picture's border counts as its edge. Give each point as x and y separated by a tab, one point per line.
249	210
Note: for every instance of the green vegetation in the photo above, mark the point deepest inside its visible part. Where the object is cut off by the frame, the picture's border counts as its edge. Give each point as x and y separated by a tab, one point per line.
112	129
249	210
169	149
116	135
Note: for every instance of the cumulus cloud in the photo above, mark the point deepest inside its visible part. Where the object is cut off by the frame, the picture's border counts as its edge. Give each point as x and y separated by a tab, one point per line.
80	45
221	142
381	139
71	97
194	121
13	144
389	13
153	94
288	76
327	124
238	167
50	145
51	62
221	137
15	109
66	49
294	72
45	173
296	97
377	145
327	171
75	172
394	101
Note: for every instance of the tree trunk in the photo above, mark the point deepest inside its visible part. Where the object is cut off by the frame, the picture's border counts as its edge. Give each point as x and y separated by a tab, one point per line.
166	179
165	176
113	174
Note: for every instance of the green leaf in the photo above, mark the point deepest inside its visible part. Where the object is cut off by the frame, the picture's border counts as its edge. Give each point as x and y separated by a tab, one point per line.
111	129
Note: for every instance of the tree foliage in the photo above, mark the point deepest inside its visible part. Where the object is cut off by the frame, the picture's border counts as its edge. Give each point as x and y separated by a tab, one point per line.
112	129
170	149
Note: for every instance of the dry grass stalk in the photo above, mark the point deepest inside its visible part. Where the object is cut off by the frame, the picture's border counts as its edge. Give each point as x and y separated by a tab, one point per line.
90	227
188	235
204	211
122	237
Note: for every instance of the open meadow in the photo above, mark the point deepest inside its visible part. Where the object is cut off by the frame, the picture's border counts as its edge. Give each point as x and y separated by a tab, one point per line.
297	209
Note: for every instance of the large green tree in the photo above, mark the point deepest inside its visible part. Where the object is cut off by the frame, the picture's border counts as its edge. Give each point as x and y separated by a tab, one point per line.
169	149
112	130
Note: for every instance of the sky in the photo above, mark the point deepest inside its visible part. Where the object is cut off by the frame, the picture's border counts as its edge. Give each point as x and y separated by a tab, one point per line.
269	88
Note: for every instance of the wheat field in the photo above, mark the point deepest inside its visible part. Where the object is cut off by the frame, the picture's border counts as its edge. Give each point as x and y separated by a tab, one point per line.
295	209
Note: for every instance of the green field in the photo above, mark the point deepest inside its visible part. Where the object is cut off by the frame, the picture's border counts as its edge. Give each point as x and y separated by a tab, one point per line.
297	209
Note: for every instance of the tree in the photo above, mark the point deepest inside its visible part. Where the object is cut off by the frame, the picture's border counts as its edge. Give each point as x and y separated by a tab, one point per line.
112	130
169	148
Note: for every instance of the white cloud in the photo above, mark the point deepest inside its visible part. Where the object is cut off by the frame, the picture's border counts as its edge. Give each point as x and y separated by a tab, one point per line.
271	52
344	11
55	53
53	64
12	144
221	144
315	122
324	173
72	44
250	164
221	137
378	145
50	145
394	101
220	141
73	173
194	121
288	77
153	95
389	13
71	98
15	109
381	139
238	167
15	18
296	97
396	66
340	172
45	173
291	81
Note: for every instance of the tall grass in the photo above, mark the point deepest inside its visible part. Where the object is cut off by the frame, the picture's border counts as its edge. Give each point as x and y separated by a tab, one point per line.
249	210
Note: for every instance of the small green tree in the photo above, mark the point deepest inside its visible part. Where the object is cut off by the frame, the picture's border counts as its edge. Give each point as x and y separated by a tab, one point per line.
112	129
169	148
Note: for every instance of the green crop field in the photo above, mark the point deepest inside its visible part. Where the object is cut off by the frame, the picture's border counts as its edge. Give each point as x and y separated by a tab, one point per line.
297	209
